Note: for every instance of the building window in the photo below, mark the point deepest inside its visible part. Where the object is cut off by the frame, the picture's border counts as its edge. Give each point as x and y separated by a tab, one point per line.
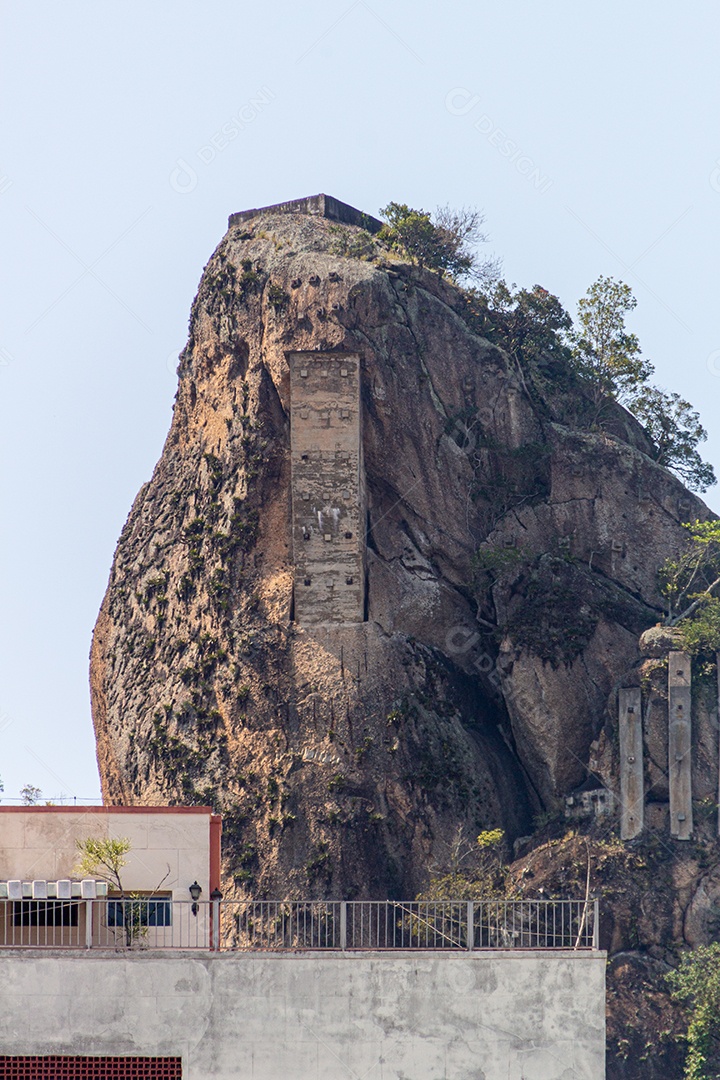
44	913
139	911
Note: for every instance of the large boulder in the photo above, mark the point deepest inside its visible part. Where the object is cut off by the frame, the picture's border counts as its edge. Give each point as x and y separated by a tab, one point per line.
345	759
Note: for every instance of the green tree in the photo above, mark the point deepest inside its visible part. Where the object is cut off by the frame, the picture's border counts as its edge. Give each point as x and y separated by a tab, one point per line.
608	357
605	353
530	324
675	430
701	632
444	244
690	583
471	871
696	983
103	857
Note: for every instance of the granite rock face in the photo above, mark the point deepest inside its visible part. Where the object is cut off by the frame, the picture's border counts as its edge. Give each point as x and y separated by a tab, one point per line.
509	566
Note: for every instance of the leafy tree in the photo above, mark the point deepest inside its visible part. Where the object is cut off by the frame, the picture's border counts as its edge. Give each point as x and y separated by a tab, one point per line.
444	244
605	353
530	324
608	357
696	983
701	633
675	430
691	582
471	871
104	858
30	795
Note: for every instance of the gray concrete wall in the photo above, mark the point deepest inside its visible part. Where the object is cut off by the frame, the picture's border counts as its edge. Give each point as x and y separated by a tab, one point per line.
425	1016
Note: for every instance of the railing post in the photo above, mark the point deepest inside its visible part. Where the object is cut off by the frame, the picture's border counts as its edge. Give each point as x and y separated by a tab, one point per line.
343	924
89	924
470	936
596	924
215	939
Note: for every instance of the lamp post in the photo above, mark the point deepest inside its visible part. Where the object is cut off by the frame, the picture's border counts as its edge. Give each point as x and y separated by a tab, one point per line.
195	891
216	896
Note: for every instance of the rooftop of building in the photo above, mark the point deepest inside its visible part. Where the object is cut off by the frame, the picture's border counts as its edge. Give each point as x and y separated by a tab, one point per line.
316	205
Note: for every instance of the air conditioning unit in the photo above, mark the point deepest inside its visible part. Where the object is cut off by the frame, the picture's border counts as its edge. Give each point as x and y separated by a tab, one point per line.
64	889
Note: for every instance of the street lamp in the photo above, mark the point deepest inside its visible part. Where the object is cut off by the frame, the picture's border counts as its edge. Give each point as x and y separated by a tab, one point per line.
195	891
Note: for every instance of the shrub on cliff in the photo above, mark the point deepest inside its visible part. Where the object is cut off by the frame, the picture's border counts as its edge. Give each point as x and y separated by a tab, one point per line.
696	983
444	244
690	585
600	355
608	357
472	871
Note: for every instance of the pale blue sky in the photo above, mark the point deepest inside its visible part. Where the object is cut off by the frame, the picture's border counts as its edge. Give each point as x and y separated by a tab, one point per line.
589	135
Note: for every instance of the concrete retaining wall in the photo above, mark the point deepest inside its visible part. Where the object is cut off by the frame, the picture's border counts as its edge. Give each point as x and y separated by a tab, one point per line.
359	1016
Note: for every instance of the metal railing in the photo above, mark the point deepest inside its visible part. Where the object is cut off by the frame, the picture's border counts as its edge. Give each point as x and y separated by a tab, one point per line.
299	925
147	922
379	925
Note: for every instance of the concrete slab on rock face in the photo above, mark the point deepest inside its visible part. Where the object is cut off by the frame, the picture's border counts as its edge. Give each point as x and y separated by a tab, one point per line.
680	744
632	794
489	1016
328	488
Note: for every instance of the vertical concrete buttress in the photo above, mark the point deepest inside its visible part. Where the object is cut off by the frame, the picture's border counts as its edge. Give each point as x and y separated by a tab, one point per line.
328	488
632	788
680	745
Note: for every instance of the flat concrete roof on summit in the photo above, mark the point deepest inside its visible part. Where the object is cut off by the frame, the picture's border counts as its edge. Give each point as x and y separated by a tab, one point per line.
318	205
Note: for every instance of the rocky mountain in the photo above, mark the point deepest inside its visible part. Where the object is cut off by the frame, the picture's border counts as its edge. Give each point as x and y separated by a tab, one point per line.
382	584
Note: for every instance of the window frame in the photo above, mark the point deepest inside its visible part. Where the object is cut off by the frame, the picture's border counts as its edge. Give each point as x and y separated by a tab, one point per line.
156	909
27	913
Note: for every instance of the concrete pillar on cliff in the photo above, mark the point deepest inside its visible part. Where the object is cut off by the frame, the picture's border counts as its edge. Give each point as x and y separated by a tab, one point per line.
680	745
632	788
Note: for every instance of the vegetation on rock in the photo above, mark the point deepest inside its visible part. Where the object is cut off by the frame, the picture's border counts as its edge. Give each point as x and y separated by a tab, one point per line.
444	244
696	983
690	584
472	871
675	430
537	332
604	352
599	358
